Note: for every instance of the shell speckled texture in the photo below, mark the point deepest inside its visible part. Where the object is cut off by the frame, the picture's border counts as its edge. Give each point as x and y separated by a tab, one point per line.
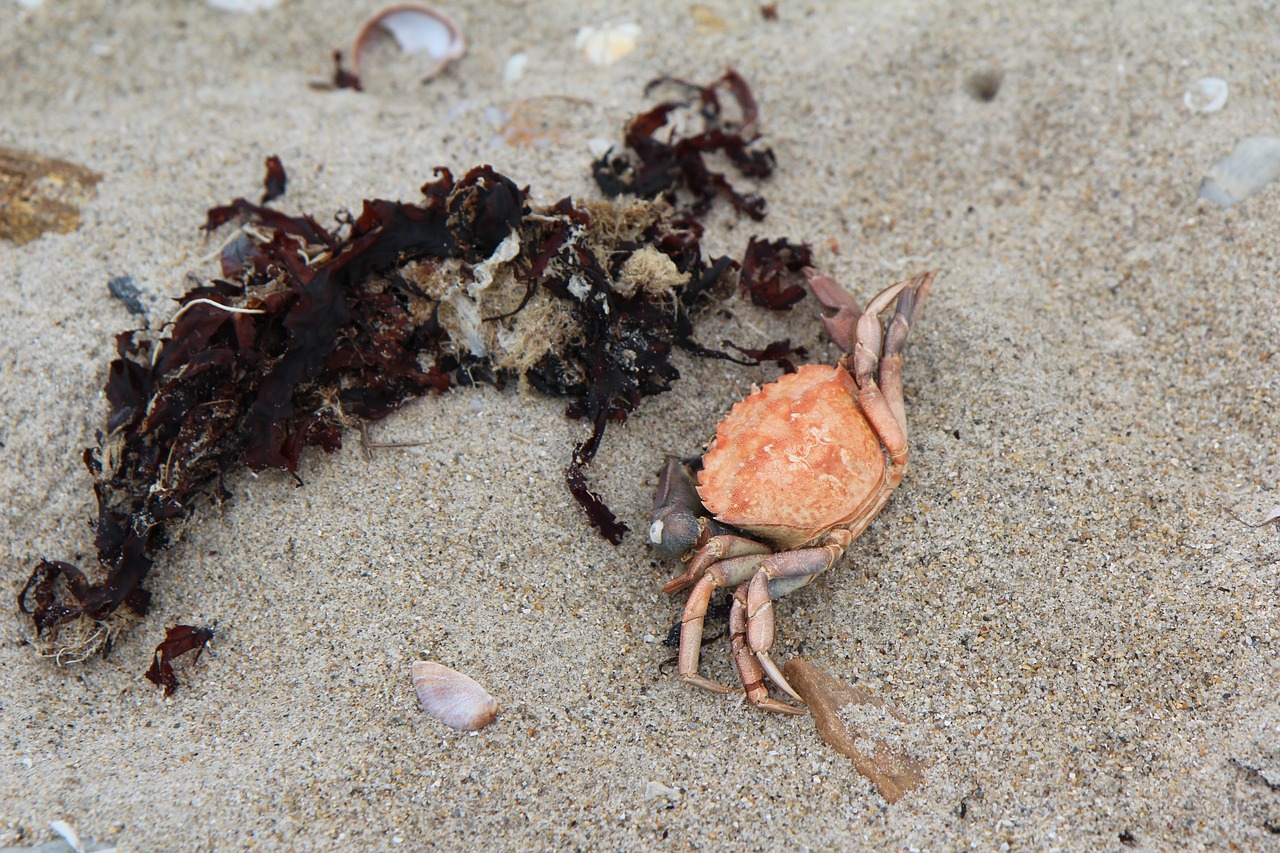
451	697
763	475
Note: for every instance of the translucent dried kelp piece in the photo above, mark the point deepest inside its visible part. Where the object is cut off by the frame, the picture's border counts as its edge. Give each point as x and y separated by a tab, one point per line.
892	771
1251	165
40	194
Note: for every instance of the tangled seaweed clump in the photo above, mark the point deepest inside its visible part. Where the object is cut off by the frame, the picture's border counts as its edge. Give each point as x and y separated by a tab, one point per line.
310	331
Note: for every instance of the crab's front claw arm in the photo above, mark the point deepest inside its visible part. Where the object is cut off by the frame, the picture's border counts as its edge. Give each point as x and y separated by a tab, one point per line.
678	523
840	326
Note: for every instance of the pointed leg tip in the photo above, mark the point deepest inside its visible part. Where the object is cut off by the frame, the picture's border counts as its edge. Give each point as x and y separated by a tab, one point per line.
781	708
775	675
705	684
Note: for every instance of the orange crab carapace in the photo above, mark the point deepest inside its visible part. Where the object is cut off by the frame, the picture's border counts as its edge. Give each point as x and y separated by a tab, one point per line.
795	473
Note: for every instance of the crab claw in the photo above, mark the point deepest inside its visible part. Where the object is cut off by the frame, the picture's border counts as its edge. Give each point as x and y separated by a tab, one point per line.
841	325
676	525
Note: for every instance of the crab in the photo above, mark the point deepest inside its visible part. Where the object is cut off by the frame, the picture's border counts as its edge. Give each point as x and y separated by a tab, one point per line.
795	472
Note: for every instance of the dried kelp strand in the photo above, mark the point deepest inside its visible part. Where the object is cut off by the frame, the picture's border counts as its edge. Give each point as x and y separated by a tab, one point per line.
451	697
893	772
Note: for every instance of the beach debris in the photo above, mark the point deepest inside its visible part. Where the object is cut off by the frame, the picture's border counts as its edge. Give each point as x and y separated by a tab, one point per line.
706	20
1251	165
72	840
1206	95
416	28
984	85
795	473
451	697
605	45
513	69
655	790
274	181
769	11
773	272
178	641
667	165
893	772
124	288
40	194
241	5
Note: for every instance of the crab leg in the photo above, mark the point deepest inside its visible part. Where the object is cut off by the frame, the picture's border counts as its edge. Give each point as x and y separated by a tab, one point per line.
749	669
717	549
779	575
731	572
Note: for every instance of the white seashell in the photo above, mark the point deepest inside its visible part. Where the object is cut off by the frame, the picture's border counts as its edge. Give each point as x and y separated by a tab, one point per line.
416	29
1250	166
514	69
606	45
241	5
451	697
1206	95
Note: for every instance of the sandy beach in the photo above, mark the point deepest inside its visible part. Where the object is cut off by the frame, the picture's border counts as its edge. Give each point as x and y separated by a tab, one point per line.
1069	596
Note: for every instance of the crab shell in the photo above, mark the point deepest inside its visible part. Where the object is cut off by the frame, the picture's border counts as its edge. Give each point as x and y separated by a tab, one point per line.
794	460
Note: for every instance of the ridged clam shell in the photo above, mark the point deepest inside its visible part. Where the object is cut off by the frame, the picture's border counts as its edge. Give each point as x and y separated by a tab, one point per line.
451	697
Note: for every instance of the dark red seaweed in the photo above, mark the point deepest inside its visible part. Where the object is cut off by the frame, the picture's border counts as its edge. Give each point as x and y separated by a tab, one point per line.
178	641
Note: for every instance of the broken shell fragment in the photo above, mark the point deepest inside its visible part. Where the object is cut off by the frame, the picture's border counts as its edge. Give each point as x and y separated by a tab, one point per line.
1206	95
1251	165
451	697
416	28
606	45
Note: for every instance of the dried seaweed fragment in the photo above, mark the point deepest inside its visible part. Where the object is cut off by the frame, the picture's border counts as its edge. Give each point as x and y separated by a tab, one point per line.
40	194
659	167
313	331
772	272
274	181
178	641
892	771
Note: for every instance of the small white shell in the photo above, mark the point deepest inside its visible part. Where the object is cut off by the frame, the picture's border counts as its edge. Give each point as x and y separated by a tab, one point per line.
1251	165
451	697
1206	95
606	45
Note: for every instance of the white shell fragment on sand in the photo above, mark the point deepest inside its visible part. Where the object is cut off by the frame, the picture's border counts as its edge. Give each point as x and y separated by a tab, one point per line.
416	29
606	45
1251	165
241	5
1206	95
451	697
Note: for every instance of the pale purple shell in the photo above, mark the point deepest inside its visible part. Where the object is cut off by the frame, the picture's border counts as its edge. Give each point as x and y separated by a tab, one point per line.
451	697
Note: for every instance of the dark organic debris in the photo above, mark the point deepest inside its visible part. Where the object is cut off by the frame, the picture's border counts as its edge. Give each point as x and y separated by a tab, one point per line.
766	265
177	641
312	331
275	180
661	166
124	288
778	352
342	78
